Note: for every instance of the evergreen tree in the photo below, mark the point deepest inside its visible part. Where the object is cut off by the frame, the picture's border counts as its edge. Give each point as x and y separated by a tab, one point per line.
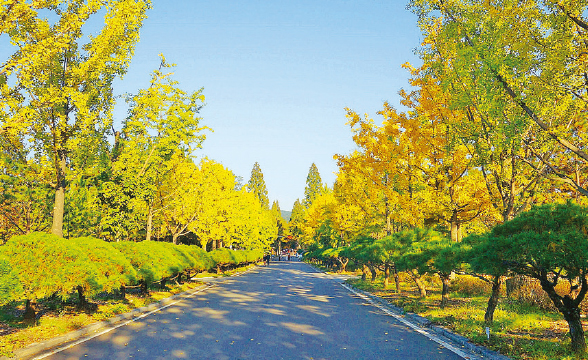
314	186
276	208
277	214
257	186
297	218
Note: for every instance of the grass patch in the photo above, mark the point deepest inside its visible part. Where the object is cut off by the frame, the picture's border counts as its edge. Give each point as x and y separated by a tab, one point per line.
58	317
520	330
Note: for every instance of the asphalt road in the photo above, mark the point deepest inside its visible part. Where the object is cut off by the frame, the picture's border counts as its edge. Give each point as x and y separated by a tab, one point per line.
285	311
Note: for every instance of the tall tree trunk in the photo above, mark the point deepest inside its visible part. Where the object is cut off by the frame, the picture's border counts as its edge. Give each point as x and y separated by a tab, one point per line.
59	205
123	292
387	209
386	275
454	227
213	245
417	280
149	222
175	238
493	301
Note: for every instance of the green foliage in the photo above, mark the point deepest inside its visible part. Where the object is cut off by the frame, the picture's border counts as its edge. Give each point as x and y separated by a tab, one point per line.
153	261
314	186
59	90
222	257
25	195
427	251
257	186
113	270
549	238
140	259
10	287
46	264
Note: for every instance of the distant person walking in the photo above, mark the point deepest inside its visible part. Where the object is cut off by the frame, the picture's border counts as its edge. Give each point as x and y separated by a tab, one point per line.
266	259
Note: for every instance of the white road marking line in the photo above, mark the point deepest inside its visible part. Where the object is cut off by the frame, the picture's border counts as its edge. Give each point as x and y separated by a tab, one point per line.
410	325
119	325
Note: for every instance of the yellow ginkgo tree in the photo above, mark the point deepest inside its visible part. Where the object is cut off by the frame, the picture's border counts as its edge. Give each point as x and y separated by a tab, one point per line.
56	87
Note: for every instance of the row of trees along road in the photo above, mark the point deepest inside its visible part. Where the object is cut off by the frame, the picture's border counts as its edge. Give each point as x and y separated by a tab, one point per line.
65	168
494	125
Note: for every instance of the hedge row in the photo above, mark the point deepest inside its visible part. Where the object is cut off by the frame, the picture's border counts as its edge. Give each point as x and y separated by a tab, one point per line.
39	265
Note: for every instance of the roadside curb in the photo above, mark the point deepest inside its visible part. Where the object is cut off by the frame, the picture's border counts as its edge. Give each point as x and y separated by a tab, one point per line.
425	324
37	349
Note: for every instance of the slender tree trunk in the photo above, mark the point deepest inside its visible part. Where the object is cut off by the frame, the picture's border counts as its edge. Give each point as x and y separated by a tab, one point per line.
149	222
175	238
364	272
445	292
387	209
454	227
213	245
59	206
396	278
373	271
417	280
123	292
493	300
386	275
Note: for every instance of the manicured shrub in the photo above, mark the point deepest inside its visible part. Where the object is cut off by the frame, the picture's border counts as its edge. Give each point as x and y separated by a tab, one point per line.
221	257
140	259
203	259
253	255
46	264
154	261
10	287
113	268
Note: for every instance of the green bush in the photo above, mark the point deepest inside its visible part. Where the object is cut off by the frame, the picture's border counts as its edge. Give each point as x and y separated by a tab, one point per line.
253	255
203	259
221	257
140	259
46	264
10	287
113	268
166	260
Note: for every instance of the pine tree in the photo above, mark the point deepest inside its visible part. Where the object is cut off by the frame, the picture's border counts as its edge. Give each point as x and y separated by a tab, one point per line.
314	186
276	208
297	219
257	186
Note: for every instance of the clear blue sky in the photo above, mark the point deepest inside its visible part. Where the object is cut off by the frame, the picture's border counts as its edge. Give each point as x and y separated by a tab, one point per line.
277	76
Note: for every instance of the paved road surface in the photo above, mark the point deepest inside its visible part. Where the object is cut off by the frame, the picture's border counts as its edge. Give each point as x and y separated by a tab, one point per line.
285	311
